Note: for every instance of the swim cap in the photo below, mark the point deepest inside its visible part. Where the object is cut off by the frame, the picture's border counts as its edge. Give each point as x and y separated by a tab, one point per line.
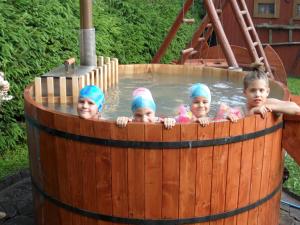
200	90
94	94
142	98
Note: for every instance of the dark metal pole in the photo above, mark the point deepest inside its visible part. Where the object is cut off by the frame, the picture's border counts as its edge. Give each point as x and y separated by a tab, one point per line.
87	34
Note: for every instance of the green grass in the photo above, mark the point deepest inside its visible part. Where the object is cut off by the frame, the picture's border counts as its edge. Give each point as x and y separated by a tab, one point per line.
293	183
13	161
294	85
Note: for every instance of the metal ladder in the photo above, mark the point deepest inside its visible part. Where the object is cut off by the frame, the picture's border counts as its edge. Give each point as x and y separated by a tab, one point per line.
253	42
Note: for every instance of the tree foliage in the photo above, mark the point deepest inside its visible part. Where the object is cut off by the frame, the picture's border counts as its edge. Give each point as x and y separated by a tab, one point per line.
38	35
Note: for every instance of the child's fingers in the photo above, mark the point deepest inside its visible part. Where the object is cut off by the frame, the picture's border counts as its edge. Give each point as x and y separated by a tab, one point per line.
169	123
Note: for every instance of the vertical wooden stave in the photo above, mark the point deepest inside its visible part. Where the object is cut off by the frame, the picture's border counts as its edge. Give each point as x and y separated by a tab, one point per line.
219	174
233	173
105	82
188	169
61	150
74	168
113	73
62	90
87	79
103	172
75	90
246	168
204	173
88	157
256	172
50	90
263	209
171	175
33	145
97	81
136	172
101	78
275	177
92	76
153	173
81	82
100	61
48	168
119	173
117	69
38	89
108	65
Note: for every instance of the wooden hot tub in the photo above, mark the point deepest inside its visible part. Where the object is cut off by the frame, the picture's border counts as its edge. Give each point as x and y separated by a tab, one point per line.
92	172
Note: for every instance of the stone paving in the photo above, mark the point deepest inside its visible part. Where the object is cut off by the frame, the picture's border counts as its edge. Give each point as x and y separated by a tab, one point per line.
16	202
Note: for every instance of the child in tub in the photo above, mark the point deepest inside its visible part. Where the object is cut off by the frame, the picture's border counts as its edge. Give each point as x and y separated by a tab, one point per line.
90	102
143	108
256	90
200	106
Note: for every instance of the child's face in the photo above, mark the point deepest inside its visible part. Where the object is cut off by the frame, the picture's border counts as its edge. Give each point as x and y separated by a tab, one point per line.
87	109
200	107
144	115
257	93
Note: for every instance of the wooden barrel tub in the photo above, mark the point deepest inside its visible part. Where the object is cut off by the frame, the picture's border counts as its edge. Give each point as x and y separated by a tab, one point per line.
92	172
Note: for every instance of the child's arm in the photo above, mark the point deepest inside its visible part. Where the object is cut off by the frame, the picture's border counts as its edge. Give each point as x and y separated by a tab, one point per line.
123	120
262	110
279	106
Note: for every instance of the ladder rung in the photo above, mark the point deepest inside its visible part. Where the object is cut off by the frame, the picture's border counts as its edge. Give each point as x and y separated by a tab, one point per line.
209	25
219	11
188	50
201	39
249	28
188	21
255	44
244	12
261	59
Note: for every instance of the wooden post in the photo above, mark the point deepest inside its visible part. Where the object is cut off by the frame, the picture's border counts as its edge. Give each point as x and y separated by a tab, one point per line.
50	89
107	62
117	69
38	89
97	82
81	83
75	90
105	78
101	77
211	11
87	79
62	90
92	73
100	61
113	73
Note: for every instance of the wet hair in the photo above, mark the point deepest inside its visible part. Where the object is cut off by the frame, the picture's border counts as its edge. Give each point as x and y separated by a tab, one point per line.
257	73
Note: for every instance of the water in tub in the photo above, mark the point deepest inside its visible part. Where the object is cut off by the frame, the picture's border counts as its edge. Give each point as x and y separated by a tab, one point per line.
169	91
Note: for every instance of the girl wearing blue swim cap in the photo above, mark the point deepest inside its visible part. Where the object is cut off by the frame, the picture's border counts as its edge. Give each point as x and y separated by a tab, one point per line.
143	108
200	103
90	102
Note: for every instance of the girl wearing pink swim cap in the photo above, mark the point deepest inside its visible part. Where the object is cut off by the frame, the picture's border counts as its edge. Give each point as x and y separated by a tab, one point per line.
143	108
